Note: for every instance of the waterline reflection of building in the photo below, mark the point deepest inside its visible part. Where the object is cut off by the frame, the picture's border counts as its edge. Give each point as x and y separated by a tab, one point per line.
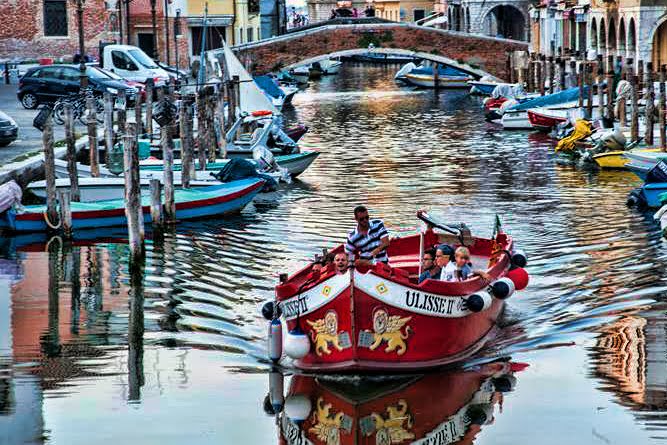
630	357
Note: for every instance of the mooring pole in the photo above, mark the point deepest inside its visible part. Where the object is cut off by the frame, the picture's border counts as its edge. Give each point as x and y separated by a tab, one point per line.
71	154
91	102
50	172
133	209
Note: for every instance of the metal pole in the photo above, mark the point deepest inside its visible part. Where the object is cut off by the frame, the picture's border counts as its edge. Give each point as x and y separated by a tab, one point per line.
177	25
82	64
166	30
120	22
127	21
156	53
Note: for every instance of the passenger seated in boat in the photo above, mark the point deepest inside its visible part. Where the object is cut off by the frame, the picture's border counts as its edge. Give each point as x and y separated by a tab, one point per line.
460	269
369	239
322	262
443	255
341	263
429	268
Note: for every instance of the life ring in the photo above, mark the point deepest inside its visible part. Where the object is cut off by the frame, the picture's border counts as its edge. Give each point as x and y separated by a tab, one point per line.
262	113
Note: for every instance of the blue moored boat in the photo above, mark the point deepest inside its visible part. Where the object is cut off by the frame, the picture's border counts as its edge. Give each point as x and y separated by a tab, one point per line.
204	202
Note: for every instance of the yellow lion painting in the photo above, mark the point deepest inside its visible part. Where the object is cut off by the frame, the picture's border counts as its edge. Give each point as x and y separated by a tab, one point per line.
388	329
326	333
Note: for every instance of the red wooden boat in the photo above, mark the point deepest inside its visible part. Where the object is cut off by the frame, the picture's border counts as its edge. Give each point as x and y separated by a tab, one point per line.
541	121
379	318
440	408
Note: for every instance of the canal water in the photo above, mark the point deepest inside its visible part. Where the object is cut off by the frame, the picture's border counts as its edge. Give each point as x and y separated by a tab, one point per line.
581	358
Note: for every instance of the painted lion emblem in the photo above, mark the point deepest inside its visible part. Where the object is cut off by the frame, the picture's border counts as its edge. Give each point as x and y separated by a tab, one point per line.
395	427
326	333
326	426
388	329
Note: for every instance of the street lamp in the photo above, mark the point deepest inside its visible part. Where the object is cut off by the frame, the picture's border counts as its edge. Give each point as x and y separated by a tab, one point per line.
82	63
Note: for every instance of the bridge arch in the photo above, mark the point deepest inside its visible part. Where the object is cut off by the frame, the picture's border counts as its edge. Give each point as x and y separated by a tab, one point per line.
474	53
506	21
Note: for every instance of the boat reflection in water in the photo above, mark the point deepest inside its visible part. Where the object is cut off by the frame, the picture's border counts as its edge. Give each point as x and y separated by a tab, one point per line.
439	408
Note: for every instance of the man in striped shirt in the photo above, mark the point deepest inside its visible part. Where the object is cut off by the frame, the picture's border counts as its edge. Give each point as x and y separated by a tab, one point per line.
369	239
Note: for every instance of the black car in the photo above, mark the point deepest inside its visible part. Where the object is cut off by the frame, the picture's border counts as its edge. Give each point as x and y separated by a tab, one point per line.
9	131
45	84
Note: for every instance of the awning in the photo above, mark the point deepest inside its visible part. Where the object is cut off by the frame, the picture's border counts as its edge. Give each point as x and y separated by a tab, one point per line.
212	20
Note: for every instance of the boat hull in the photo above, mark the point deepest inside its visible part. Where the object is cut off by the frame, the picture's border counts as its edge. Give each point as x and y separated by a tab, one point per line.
379	320
295	163
428	81
544	121
617	159
215	201
651	194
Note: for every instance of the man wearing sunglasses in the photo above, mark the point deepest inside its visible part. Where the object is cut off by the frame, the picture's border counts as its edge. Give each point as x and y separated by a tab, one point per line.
369	239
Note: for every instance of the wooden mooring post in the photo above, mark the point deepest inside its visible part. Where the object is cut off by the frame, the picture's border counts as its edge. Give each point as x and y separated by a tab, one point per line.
649	99
133	210
138	117
149	108
70	139
589	95
51	214
634	116
220	122
156	203
108	125
661	109
185	132
65	213
167	143
610	87
201	128
580	84
91	103
122	112
600	88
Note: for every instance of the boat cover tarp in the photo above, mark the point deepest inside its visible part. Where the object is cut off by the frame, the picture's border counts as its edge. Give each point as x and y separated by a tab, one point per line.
569	95
237	169
269	86
10	194
657	174
442	71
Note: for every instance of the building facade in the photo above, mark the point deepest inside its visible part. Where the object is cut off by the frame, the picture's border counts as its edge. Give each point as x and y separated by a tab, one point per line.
634	29
496	18
35	29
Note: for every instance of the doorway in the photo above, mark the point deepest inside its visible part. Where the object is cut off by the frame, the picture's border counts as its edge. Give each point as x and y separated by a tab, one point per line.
145	42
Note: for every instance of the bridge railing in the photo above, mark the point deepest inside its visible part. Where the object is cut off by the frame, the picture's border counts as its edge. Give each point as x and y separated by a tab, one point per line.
325	26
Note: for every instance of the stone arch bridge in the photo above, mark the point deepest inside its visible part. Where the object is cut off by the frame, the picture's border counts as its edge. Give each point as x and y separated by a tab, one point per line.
476	54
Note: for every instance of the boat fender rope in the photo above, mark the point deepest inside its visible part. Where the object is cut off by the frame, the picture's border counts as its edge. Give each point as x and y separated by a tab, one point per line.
48	222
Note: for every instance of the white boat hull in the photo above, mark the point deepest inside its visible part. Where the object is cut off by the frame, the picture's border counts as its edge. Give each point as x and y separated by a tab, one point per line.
427	81
98	189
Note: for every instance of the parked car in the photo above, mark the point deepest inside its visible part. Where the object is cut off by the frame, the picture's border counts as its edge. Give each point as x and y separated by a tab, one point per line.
9	131
131	63
46	84
140	87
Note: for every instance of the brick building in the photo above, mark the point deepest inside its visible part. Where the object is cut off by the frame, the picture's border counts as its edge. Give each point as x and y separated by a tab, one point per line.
48	28
33	29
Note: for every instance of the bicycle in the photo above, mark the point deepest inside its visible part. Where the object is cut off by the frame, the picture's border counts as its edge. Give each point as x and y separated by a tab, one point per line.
78	102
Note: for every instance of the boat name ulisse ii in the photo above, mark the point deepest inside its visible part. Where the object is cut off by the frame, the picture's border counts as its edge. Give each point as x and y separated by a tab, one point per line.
380	317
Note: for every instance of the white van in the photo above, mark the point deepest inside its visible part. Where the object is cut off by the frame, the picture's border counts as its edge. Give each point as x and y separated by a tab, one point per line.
132	63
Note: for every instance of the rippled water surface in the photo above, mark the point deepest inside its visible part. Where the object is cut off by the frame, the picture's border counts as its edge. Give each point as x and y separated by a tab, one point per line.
183	363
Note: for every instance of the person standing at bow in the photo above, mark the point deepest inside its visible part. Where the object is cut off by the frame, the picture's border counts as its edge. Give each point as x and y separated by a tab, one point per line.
369	239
